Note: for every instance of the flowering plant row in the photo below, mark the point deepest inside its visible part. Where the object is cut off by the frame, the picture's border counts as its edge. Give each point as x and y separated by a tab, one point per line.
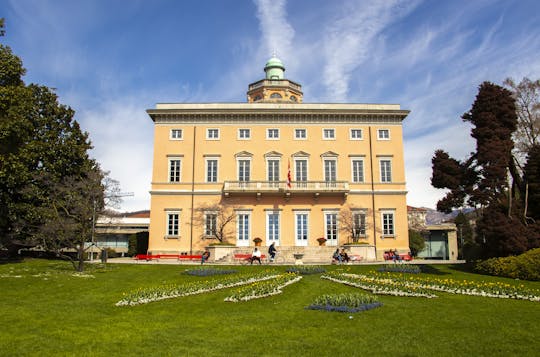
402	285
469	287
264	288
345	302
306	269
146	295
378	285
400	268
204	271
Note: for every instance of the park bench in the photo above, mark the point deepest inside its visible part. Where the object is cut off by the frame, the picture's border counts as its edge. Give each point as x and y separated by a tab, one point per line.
402	256
246	258
179	257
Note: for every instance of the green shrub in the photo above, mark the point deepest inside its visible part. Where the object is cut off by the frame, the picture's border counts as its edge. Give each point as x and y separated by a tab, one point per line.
525	266
354	302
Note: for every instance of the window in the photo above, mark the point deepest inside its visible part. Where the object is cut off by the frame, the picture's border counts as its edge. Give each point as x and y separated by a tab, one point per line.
210	224
211	170
383	134
242	228
272	134
293	98
244	134
329	134
244	170
272	222
357	170
301	228
212	134
273	170
300	171
300	134
174	169
356	134
275	95
330	227
388	224
330	171
173	224
359	224
176	134
386	170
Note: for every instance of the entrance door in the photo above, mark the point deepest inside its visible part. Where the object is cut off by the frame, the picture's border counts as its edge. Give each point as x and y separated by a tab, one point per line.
301	229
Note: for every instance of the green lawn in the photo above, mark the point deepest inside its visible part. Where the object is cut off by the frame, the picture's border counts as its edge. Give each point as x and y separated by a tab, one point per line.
47	311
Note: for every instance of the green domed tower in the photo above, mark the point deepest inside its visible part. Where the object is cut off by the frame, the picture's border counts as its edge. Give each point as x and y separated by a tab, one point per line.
275	88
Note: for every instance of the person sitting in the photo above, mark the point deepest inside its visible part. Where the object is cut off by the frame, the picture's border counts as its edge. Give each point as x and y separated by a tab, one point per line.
205	256
336	257
344	256
272	251
395	255
256	255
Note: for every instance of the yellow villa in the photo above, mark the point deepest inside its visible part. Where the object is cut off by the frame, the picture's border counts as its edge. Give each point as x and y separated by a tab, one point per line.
305	176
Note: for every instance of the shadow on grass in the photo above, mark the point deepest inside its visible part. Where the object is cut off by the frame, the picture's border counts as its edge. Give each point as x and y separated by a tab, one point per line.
430	269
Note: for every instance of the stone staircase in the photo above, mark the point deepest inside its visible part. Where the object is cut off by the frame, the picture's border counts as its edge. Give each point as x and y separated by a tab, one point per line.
312	255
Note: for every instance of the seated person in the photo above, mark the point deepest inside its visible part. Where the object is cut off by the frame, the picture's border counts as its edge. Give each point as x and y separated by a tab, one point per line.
272	251
205	256
336	257
344	256
256	255
395	255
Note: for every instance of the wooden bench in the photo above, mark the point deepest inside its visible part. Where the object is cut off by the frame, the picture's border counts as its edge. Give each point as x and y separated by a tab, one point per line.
402	257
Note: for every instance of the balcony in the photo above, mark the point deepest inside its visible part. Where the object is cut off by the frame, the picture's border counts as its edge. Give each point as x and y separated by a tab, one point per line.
260	188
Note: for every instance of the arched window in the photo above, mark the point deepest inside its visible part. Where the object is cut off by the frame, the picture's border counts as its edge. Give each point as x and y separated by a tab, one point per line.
293	98
275	96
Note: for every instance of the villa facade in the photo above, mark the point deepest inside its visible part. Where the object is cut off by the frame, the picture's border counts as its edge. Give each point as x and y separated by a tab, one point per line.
277	169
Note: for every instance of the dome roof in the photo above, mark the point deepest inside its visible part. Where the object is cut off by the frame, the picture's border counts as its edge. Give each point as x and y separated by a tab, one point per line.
274	68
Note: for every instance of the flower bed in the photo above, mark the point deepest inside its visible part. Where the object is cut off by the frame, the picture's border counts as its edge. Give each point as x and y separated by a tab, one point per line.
400	268
402	285
146	295
306	270
345	303
203	271
379	285
263	289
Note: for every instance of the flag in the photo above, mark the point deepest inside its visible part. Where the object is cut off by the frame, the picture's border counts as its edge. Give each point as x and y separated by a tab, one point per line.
289	174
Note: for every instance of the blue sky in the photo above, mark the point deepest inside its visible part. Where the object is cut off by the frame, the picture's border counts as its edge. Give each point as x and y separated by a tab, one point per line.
110	60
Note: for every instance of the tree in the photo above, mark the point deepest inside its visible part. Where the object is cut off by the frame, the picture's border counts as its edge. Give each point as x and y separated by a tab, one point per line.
527	98
50	189
489	177
417	243
353	222
215	220
468	248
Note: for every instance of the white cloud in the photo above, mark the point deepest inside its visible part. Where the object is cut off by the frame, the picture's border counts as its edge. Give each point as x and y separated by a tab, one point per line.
277	33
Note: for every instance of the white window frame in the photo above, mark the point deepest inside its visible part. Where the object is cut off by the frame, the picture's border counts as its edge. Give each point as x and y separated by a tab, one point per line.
273	179
271	136
272	238
239	233
299	240
170	171
298	179
388	232
333	159
210	134
207	169
387	178
173	135
363	228
171	229
331	242
297	130
329	134
238	160
353	171
381	135
352	137
207	229
241	134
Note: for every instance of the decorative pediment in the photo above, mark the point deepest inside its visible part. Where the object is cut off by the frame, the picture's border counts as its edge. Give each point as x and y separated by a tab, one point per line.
329	154
300	154
273	154
243	154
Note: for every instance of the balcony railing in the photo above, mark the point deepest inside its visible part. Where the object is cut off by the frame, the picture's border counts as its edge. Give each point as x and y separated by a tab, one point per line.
318	187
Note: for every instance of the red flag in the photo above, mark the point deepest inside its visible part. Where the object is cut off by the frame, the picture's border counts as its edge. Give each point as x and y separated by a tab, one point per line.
289	174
